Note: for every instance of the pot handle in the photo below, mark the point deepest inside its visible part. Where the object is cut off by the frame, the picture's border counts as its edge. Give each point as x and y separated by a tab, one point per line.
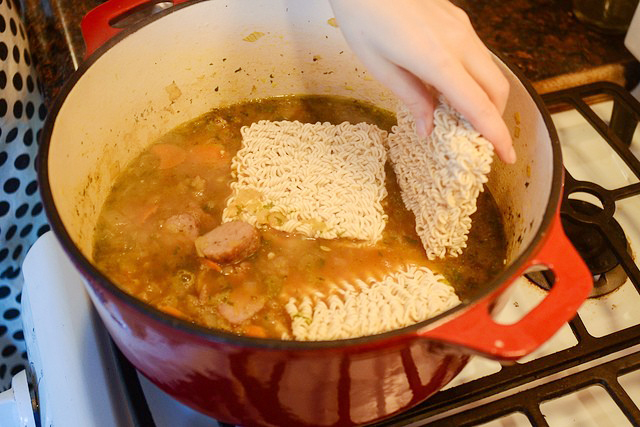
97	25
476	330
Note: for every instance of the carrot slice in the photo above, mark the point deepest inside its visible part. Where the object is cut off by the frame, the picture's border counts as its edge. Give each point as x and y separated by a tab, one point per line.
169	155
255	331
146	212
172	311
210	264
207	153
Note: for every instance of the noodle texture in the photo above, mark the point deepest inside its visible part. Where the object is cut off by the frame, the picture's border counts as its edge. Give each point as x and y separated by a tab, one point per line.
320	180
440	177
366	308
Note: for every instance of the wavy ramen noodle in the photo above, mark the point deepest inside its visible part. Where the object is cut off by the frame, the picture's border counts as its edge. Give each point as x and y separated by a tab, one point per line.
371	307
440	177
319	180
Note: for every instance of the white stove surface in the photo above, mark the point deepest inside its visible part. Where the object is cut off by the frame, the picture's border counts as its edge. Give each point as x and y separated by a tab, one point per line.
77	386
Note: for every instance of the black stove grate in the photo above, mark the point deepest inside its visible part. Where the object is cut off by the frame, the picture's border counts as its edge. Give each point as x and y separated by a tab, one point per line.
522	388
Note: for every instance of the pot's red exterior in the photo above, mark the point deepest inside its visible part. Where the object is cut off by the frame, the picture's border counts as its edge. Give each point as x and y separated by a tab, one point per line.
254	385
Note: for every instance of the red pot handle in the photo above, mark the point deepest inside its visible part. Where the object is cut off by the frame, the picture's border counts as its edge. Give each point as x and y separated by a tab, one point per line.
96	25
475	329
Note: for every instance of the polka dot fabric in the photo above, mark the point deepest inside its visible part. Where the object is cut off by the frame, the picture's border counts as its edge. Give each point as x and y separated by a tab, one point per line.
22	218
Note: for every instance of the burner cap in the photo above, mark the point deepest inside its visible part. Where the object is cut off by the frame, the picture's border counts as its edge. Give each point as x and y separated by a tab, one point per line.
594	248
591	243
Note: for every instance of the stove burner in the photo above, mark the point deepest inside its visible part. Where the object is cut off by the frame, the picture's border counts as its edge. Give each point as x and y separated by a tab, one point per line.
594	247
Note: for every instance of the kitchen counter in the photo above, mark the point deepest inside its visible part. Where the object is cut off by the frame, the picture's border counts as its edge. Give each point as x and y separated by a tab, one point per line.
541	37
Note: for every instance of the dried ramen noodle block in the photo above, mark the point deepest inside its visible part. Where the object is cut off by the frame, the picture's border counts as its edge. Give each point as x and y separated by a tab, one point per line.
440	177
366	308
320	180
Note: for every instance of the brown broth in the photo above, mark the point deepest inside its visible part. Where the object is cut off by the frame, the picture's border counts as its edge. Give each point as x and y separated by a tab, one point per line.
188	171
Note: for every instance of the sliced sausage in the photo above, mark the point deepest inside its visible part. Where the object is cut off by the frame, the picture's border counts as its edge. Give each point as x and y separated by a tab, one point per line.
229	243
241	310
184	223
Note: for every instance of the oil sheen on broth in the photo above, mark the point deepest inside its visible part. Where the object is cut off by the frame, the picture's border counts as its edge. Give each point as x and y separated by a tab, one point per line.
145	246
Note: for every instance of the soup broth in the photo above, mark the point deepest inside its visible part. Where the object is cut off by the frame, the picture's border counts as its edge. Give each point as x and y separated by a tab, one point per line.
146	247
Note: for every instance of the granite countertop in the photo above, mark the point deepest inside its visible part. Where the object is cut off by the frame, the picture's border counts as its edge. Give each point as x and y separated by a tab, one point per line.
541	37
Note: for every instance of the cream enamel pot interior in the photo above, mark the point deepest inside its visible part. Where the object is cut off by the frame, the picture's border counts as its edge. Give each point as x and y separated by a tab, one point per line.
193	57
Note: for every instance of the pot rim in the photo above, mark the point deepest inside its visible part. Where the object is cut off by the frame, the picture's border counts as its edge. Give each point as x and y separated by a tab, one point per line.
94	277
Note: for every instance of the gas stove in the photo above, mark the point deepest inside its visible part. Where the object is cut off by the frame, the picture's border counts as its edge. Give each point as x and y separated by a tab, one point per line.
588	374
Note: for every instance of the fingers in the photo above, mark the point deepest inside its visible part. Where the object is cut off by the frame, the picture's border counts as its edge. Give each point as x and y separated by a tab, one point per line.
415	95
474	86
468	96
479	62
487	74
482	67
413	45
462	91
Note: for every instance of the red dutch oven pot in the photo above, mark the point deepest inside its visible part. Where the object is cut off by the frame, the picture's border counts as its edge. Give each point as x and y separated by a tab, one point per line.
181	62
